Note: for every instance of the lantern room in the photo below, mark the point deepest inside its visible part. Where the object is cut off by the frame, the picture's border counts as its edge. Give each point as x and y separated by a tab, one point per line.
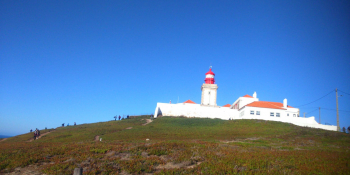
209	77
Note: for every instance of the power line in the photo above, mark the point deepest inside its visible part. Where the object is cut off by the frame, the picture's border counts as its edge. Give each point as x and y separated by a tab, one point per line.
316	100
334	109
312	111
308	107
343	92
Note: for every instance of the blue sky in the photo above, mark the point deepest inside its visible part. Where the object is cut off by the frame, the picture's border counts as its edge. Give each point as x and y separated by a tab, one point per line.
87	61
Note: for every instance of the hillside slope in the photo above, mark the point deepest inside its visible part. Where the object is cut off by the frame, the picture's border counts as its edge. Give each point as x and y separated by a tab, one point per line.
180	145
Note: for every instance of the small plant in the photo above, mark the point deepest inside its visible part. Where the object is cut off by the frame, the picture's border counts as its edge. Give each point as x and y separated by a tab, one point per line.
100	151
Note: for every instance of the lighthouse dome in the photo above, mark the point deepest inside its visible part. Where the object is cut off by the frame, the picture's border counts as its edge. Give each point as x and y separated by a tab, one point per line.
210	72
209	77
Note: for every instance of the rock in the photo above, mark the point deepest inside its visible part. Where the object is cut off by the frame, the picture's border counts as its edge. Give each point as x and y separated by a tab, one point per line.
124	173
18	169
124	156
69	160
111	153
78	171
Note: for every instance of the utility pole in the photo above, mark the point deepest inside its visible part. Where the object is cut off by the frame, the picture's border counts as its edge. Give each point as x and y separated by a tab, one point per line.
336	94
319	113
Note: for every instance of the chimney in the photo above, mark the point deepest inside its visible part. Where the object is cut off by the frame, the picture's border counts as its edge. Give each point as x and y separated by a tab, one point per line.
254	95
285	103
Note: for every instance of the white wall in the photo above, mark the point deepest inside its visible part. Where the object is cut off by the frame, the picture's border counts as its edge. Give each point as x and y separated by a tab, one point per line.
196	110
267	111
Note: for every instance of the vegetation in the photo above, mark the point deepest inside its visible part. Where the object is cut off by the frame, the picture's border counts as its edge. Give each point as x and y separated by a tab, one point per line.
181	146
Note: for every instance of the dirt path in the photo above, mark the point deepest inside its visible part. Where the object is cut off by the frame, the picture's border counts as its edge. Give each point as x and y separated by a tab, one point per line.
147	122
32	139
3	139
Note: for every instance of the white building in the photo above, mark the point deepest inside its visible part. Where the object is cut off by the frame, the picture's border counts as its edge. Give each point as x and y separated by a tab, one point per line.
246	107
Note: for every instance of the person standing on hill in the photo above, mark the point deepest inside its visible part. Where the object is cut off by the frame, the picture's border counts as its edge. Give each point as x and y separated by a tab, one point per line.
119	117
344	131
31	130
127	116
36	133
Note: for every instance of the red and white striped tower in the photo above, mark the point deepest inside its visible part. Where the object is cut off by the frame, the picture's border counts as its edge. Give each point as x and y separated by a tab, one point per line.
209	89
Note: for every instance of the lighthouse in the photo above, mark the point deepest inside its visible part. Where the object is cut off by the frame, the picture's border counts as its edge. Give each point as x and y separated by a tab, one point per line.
209	89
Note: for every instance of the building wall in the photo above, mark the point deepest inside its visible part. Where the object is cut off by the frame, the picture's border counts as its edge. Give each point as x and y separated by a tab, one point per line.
194	110
209	94
197	110
293	112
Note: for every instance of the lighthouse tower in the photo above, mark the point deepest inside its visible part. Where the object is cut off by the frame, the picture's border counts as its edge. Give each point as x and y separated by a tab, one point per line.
209	90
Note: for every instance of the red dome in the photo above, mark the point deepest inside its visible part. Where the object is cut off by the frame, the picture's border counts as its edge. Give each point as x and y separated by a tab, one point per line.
210	72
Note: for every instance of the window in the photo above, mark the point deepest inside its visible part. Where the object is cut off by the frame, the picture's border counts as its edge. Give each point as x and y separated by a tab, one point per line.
272	114
277	114
293	115
287	114
251	112
257	112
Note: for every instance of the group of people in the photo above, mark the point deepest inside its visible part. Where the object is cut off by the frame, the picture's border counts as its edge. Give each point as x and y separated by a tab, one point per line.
36	133
127	117
120	118
344	130
68	124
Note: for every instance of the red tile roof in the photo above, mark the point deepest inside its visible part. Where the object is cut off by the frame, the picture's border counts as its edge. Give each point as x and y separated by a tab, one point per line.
248	96
228	105
189	101
267	104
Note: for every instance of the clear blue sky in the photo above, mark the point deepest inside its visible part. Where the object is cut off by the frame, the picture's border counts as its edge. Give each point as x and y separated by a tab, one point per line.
87	61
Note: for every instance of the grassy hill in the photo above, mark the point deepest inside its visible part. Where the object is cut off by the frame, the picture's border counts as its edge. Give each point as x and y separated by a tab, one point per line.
180	146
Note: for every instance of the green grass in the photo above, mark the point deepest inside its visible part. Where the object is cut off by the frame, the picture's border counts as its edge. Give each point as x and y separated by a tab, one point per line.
217	146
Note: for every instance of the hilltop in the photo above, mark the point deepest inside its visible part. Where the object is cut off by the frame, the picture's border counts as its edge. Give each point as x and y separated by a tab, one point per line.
179	145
